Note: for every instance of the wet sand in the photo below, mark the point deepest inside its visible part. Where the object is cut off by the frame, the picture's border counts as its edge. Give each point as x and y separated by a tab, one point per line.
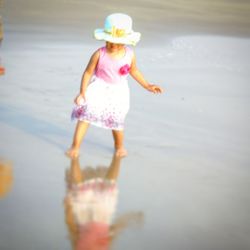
187	173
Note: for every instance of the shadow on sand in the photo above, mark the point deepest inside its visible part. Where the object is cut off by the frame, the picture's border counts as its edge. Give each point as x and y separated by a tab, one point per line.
32	125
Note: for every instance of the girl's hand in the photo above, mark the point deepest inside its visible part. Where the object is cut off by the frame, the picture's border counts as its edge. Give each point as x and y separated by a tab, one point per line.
154	88
79	99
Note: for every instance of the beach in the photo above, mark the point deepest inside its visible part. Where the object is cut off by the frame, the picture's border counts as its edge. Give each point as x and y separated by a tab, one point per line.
187	171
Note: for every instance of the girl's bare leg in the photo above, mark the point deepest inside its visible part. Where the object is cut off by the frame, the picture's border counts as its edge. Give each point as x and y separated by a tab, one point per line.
118	136
80	131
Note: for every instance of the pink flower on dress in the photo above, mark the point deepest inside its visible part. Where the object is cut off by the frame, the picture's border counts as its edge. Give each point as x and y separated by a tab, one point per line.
124	70
109	122
78	112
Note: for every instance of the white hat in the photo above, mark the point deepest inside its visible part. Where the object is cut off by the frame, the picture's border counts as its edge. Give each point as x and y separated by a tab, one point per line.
118	29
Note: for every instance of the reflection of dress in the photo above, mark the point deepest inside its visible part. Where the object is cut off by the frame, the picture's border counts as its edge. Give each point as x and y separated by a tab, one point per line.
93	201
93	204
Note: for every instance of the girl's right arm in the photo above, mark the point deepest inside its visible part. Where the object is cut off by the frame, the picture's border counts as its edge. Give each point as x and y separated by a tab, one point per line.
89	71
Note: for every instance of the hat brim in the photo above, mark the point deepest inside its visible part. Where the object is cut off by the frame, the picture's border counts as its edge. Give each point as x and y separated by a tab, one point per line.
130	39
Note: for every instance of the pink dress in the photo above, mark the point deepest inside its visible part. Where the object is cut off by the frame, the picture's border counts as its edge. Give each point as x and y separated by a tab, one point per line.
107	95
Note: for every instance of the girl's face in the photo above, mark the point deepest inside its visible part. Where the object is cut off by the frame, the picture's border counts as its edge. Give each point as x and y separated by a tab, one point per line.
113	47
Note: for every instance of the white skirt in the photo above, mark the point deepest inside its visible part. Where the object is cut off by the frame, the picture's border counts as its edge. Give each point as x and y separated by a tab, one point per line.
106	104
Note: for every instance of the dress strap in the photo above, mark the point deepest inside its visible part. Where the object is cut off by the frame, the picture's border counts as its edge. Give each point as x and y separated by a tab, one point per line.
102	51
129	52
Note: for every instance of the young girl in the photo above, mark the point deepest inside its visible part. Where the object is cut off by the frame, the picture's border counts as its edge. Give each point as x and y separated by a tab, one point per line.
104	94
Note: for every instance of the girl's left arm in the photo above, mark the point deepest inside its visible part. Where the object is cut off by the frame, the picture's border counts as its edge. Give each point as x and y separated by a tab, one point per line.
137	75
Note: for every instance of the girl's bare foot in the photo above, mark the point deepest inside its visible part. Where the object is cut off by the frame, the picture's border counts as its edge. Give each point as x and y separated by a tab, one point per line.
121	152
72	153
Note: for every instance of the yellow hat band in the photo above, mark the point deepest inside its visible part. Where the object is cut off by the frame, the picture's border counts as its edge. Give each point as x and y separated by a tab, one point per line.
116	32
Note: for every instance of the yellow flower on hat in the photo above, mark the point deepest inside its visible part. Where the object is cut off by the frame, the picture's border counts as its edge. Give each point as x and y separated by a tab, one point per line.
118	29
117	32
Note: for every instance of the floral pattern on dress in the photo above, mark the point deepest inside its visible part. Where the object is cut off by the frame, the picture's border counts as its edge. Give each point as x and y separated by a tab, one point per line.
78	112
110	121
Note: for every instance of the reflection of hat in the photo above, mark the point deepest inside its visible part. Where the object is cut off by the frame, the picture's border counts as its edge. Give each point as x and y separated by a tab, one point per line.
94	235
118	29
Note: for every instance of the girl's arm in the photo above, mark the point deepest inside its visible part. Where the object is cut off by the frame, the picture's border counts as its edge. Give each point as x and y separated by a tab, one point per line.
137	75
129	219
89	71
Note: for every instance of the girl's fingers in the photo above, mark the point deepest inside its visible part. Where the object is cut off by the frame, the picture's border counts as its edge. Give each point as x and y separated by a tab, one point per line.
79	100
157	89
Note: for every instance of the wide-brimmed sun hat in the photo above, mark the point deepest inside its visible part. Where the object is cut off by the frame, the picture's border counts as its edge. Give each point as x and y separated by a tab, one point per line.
118	29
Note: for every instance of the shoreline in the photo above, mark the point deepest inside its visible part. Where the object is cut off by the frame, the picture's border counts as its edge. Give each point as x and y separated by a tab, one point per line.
156	20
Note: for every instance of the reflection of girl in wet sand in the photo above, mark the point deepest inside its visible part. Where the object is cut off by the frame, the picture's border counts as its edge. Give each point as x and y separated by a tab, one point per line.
90	204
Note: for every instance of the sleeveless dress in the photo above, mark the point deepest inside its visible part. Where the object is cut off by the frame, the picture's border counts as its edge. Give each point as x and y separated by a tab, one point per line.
107	95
